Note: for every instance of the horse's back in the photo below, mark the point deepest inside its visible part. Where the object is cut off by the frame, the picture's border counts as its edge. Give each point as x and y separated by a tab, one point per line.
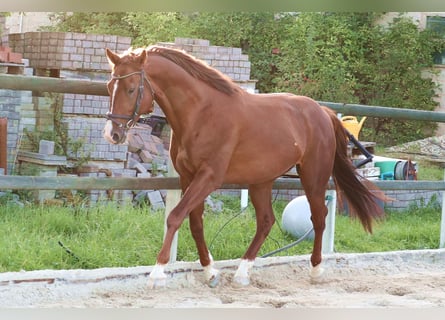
303	114
277	132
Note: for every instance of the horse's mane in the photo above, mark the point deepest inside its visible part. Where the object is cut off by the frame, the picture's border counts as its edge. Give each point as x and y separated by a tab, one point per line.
196	68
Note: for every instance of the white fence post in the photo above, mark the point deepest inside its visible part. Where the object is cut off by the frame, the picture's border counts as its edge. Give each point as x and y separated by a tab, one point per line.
173	197
329	232
442	223
244	198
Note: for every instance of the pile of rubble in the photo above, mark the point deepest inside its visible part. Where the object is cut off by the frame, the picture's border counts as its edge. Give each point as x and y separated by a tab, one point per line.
431	149
148	155
147	152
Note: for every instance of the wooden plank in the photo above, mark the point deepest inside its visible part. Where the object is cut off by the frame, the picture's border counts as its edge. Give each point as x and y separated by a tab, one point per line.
172	183
48	84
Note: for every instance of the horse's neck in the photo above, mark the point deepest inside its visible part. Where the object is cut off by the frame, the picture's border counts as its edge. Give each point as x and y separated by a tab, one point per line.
175	91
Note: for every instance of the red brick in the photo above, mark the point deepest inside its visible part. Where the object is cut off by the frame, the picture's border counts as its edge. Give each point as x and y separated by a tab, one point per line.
15	57
5	49
4	56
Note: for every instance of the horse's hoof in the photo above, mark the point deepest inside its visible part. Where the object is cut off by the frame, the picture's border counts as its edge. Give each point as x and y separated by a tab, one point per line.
214	281
157	283
316	272
241	281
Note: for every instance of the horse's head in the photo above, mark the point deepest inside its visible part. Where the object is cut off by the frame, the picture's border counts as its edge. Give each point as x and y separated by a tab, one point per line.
131	94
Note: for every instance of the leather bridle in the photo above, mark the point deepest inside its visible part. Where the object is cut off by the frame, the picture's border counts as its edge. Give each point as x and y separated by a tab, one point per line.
132	119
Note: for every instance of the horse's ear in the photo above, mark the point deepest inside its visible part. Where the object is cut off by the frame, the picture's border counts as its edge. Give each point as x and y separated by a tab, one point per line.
141	57
113	58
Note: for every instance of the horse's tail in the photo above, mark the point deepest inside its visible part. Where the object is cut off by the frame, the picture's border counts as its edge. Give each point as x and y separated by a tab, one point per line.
361	195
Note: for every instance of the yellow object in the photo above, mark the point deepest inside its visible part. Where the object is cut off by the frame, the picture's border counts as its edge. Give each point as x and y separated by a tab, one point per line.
352	125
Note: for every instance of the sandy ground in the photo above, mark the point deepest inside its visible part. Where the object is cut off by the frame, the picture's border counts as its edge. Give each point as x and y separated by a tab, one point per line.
395	279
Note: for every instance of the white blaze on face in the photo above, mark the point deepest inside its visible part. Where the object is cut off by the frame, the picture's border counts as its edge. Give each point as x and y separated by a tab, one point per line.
109	125
113	96
107	131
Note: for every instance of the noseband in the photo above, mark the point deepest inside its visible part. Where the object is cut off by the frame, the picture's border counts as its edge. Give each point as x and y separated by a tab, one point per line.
132	119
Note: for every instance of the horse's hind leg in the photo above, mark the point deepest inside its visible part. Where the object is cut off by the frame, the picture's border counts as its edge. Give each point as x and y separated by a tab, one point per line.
261	198
206	259
314	181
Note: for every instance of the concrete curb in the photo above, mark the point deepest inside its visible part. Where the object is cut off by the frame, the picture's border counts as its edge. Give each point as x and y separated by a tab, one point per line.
383	260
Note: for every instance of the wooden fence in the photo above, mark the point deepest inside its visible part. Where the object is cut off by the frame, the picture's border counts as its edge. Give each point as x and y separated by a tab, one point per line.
44	84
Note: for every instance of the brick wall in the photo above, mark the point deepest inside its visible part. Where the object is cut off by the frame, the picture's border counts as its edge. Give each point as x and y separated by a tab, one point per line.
404	199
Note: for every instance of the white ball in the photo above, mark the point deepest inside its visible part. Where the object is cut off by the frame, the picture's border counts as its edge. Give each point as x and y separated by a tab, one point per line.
296	219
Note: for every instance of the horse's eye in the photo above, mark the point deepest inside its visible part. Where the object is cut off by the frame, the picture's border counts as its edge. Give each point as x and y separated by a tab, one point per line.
131	90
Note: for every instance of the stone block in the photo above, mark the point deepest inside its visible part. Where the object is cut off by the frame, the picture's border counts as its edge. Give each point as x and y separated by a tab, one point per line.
156	200
146	156
46	147
143	175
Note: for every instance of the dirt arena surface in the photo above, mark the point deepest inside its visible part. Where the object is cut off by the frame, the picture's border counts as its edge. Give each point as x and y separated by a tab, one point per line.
393	279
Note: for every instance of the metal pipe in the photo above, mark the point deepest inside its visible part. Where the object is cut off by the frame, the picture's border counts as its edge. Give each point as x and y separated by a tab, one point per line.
378	111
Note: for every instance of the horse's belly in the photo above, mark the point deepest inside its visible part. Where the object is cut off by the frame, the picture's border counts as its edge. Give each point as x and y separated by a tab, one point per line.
263	168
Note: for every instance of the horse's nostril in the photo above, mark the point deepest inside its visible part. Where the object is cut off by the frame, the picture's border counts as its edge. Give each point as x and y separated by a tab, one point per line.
116	137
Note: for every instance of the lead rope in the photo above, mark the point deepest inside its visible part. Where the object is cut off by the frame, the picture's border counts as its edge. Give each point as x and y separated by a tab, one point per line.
303	237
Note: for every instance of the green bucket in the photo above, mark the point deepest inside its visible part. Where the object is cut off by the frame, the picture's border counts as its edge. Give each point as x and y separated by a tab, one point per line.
386	168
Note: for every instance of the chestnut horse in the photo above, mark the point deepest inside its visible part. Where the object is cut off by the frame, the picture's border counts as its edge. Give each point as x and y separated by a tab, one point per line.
223	134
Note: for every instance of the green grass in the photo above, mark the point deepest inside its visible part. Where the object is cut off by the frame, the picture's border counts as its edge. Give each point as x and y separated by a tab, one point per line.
111	236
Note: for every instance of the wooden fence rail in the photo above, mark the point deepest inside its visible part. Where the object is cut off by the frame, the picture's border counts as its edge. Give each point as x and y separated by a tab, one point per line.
172	183
46	84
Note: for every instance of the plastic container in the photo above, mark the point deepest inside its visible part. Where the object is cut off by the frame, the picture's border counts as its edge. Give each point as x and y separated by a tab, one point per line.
386	169
352	125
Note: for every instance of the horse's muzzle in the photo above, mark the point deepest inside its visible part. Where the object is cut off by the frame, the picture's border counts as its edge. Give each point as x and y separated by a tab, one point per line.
114	134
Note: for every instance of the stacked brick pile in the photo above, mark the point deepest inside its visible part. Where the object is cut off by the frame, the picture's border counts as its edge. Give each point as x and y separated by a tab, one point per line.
80	56
228	60
89	131
67	50
7	56
13	105
85	104
3	30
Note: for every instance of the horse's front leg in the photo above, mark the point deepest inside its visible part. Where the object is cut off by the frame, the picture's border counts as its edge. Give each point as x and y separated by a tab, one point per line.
200	187
206	259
